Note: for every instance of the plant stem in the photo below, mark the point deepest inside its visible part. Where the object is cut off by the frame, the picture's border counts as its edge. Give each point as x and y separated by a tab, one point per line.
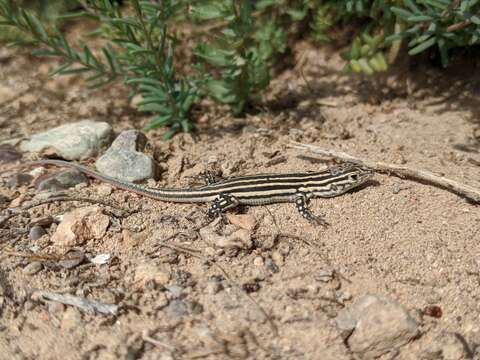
158	57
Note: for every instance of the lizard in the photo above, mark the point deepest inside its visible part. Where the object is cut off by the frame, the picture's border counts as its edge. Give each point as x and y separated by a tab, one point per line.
260	189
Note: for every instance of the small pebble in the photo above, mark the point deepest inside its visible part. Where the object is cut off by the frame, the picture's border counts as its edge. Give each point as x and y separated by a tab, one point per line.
104	190
62	180
343	296
42	221
56	307
270	264
213	287
258	261
36	232
176	309
324	275
18	180
71	320
33	268
175	291
72	259
284	249
161	301
210	251
8	153
277	257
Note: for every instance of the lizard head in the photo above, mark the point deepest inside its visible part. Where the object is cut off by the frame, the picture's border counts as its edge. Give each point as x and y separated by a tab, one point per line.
345	177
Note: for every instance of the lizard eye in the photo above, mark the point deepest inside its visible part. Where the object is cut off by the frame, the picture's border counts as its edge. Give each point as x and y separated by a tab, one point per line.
354	177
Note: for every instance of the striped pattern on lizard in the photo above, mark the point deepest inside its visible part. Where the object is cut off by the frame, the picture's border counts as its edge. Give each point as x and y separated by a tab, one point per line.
297	188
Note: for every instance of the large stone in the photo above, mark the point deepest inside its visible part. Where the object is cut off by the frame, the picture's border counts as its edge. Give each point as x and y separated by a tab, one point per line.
375	325
124	161
74	141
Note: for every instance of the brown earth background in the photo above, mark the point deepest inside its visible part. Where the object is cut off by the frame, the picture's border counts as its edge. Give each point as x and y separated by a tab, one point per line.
411	242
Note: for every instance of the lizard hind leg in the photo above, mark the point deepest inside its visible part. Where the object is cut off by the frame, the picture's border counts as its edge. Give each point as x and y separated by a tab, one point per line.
221	204
302	207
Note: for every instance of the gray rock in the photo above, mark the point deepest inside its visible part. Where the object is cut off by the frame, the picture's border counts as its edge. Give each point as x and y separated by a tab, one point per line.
33	268
124	161
8	153
175	291
36	232
18	180
213	287
62	180
132	140
74	141
375	325
176	309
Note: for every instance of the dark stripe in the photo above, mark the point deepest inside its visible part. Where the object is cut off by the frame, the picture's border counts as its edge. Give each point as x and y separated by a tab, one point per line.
268	178
260	187
253	197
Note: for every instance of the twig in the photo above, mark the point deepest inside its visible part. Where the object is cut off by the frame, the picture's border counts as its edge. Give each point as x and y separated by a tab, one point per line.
458	26
157	343
470	193
89	306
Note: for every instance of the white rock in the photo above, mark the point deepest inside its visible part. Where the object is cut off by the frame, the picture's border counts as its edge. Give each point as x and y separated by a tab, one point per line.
375	325
74	141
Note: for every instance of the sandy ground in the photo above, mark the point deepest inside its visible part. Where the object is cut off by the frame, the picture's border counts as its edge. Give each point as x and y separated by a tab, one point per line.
411	242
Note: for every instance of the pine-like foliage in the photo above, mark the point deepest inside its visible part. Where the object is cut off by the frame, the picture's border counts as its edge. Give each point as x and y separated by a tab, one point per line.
234	43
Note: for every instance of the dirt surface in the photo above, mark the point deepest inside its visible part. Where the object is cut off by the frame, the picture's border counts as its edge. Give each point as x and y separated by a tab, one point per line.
410	242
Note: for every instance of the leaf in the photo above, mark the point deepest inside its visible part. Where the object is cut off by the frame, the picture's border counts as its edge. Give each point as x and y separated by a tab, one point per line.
365	66
45	52
214	56
297	14
419	18
76	14
423	46
74	71
35	25
211	10
154	107
404	14
157	121
475	19
413	7
59	69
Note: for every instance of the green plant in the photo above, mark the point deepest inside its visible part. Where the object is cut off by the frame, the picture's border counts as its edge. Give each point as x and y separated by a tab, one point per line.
421	24
235	43
47	11
233	61
240	51
140	49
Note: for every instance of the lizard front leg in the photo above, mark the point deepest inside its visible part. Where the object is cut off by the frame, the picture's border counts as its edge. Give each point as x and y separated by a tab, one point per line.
210	177
302	207
222	203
